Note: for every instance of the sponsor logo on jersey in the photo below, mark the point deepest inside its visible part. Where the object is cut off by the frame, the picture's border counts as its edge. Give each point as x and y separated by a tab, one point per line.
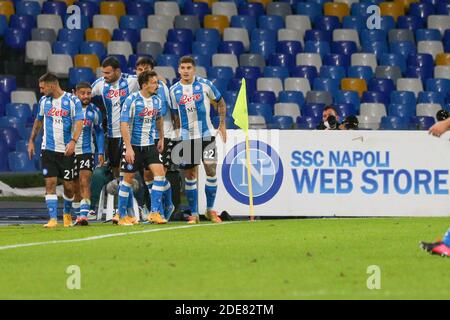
148	112
54	112
116	93
186	99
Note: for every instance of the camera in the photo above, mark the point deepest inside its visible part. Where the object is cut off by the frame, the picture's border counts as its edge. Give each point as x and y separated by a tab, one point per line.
330	124
351	123
442	115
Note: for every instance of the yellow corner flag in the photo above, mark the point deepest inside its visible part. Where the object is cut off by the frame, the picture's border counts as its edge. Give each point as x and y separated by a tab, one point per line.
240	116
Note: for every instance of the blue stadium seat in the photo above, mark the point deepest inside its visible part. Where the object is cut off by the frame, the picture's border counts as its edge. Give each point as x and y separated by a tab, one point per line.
10	136
89	9
359	9
281	122
4	160
446	40
328	23
248	72
230	97
375	97
133	58
71	35
352	22
220	84
246	22
409	22
345	109
271	22
344	96
13	122
55	7
139	8
180	35
361	72
212	36
418	72
178	48
428	35
406	98
262	47
202	60
3	25
229	122
221	73
431	97
132	22
307	122
375	35
394	123
261	109
401	110
93	47
204	48
387	23
282	60
378	48
391	59
265	97
334	59
313	110
7	84
199	9
168	60
443	8
258	35
421	123
234	47
27	22
251	9
309	72
275	72
403	48
344	47
421	59
421	10
317	35
326	84
16	38
65	47
292	97
32	8
438	85
320	47
21	111
289	47
77	75
381	85
19	162
130	35
311	9
333	72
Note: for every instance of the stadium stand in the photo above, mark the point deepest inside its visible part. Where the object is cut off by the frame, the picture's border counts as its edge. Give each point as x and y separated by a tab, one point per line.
297	57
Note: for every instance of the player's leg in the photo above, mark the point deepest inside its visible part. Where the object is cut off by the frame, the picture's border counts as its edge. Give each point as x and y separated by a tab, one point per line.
167	205
190	179
148	179
209	157
439	247
68	174
51	199
85	186
159	185
76	197
125	187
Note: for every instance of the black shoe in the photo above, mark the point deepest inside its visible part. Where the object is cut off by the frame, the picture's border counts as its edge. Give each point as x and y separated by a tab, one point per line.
427	246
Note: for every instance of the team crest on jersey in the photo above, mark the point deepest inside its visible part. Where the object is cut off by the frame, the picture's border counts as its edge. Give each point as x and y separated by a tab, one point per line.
90	114
129	166
197	87
44	172
54	112
116	93
186	99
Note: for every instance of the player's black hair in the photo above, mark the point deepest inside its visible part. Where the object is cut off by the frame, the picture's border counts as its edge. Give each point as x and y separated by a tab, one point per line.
111	62
145	76
145	61
187	59
48	77
83	85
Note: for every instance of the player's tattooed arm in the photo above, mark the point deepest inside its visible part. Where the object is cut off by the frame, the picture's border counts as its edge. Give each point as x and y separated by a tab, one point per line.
37	126
176	124
160	128
222	109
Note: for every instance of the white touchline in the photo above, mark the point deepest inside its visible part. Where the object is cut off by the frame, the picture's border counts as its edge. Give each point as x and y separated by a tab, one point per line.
111	235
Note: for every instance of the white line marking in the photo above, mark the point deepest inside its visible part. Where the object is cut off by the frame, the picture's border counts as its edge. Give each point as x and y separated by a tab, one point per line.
111	235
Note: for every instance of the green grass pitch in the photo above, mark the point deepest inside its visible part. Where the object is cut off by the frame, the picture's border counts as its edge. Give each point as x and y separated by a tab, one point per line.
269	259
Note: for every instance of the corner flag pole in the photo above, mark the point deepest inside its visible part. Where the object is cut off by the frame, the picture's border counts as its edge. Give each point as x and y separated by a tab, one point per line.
240	116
